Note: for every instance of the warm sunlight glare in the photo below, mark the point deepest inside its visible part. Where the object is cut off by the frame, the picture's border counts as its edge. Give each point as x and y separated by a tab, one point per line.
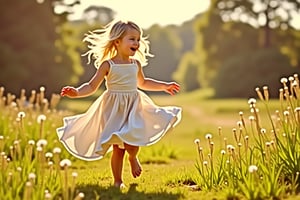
147	13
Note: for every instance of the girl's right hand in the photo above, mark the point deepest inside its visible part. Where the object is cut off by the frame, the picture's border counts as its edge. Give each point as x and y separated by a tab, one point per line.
69	91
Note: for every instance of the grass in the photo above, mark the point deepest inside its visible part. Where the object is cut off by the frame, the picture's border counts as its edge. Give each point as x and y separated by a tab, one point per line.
170	169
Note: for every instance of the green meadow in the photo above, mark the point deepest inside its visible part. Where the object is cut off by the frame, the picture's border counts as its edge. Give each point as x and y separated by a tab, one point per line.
222	149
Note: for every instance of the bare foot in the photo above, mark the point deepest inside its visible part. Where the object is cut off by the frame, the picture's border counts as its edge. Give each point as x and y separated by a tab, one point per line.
120	185
136	168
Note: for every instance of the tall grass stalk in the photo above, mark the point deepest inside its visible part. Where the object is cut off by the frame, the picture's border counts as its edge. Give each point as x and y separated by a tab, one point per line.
29	164
265	164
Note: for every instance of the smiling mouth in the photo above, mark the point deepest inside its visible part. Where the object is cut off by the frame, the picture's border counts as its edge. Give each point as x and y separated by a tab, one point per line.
133	49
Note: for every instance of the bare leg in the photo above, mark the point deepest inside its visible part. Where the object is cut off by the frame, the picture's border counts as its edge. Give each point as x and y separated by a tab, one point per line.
136	168
117	165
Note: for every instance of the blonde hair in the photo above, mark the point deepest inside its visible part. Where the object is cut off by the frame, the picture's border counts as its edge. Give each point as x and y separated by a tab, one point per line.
102	46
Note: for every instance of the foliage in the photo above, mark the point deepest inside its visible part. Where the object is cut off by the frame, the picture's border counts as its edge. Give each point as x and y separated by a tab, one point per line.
261	162
222	34
166	48
34	53
33	166
240	74
187	72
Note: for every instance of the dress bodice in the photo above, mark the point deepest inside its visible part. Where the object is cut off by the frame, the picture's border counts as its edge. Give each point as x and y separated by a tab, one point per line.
122	77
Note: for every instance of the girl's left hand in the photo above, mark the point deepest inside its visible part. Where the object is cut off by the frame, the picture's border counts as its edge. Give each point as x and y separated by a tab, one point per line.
172	88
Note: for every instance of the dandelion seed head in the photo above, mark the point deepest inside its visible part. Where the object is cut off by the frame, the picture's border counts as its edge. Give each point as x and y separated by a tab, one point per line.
252	101
283	80
31	142
251	118
19	169
31	176
272	142
21	114
28	184
263	131
268	144
252	168
41	118
227	161
205	162
48	155
284	134
65	163
74	174
48	195
223	152
56	150
14	105
239	144
286	113
239	123
241	113
197	141
42	88
208	136
41	143
230	147
16	142
291	78
1	137
81	195
294	84
50	163
297	109
39	149
246	137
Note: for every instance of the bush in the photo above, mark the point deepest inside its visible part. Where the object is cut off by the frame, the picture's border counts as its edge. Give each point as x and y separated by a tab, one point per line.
241	74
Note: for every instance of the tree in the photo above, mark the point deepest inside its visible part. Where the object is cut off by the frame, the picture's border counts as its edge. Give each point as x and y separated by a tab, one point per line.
187	72
241	74
268	14
166	47
35	54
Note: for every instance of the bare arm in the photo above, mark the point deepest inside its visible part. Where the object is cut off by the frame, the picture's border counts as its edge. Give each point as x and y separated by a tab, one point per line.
87	88
156	85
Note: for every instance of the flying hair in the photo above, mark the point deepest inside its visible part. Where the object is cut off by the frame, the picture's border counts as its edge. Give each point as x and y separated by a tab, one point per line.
101	42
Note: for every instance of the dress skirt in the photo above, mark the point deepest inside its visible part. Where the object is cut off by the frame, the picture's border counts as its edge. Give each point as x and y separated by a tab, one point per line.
117	117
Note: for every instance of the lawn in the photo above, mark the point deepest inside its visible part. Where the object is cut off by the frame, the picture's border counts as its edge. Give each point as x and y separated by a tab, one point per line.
170	169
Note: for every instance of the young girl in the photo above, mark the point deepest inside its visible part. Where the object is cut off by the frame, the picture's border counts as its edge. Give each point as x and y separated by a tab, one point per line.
123	118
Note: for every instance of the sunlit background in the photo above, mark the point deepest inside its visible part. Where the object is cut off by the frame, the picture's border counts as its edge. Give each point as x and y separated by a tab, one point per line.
198	43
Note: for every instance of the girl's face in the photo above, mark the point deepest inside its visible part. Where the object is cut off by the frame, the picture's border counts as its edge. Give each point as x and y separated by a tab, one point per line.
129	43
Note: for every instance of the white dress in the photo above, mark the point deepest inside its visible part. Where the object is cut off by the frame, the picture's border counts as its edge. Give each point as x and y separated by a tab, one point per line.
122	114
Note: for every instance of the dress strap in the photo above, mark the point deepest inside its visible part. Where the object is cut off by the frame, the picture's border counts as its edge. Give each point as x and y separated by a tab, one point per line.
134	61
111	62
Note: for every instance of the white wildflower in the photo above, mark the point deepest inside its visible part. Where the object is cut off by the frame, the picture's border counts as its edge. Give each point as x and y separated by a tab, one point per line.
208	136
65	163
253	168
21	114
41	143
41	118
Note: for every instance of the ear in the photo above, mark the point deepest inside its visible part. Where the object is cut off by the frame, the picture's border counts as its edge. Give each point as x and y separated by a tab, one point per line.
117	42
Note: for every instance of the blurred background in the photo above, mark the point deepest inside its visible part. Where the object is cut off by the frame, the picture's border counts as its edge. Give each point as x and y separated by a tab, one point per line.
231	46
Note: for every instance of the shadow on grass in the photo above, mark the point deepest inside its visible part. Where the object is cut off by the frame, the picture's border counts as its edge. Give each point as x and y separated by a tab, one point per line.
96	192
